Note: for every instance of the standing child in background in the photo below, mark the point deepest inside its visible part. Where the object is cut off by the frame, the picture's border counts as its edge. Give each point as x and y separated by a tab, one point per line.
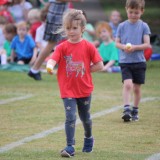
107	48
76	59
10	32
132	61
34	21
23	46
53	22
114	20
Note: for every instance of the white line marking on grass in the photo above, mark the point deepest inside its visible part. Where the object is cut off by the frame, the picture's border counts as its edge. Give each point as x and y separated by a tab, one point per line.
15	99
61	127
154	157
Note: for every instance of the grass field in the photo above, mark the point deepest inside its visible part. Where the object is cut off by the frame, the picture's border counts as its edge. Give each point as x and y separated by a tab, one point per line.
41	109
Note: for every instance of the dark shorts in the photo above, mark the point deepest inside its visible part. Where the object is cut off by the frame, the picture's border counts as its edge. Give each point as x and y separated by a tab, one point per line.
134	71
54	21
25	60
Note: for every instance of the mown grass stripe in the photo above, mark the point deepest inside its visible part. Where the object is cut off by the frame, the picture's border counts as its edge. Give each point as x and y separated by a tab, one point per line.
6	101
154	157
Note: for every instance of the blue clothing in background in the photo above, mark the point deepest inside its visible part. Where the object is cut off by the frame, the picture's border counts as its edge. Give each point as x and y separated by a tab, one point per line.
132	33
23	49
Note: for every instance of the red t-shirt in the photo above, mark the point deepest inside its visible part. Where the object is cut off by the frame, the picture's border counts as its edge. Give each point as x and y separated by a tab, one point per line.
7	15
33	29
74	60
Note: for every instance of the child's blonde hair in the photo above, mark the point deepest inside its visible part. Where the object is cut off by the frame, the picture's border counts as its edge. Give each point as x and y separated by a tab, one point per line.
34	14
100	26
136	4
22	24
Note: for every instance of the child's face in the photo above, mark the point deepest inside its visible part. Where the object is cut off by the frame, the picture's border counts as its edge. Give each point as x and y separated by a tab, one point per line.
115	17
134	14
104	34
32	20
74	32
22	31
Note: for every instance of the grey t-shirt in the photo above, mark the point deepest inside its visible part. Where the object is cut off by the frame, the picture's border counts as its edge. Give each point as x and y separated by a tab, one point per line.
132	33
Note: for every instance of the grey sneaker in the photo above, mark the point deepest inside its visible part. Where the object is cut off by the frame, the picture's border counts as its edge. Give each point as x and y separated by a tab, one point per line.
127	115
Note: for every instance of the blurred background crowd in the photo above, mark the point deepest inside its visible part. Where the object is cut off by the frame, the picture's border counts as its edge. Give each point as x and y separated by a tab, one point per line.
22	24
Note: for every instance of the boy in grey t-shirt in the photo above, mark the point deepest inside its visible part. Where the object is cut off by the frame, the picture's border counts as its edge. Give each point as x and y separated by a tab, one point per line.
132	39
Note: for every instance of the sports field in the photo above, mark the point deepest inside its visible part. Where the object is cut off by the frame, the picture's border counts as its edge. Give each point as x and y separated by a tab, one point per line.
32	118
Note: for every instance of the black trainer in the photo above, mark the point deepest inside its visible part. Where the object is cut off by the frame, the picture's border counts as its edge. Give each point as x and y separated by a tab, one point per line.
127	115
135	115
36	76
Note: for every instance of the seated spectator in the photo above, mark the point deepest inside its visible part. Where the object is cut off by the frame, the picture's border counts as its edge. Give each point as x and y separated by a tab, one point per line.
23	47
114	20
19	9
10	32
34	21
5	13
107	48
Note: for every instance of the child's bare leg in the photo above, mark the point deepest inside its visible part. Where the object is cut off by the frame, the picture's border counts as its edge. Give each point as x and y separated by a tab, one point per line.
137	94
43	54
127	88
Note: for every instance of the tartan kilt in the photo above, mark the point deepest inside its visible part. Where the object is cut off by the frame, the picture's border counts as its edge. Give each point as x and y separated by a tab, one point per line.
54	21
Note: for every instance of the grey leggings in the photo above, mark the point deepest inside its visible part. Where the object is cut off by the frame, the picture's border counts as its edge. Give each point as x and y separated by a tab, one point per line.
71	105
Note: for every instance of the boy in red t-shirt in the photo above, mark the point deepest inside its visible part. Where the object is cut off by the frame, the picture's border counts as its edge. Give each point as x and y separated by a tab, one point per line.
76	59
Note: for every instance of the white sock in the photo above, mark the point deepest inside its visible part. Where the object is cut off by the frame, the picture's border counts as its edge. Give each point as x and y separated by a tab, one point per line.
89	137
34	71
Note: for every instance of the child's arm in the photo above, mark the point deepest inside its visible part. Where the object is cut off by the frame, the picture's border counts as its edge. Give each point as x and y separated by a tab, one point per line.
97	67
50	66
119	44
34	57
145	45
108	65
12	55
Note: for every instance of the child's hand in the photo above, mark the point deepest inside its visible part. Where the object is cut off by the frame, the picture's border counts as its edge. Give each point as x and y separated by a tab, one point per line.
128	48
49	68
